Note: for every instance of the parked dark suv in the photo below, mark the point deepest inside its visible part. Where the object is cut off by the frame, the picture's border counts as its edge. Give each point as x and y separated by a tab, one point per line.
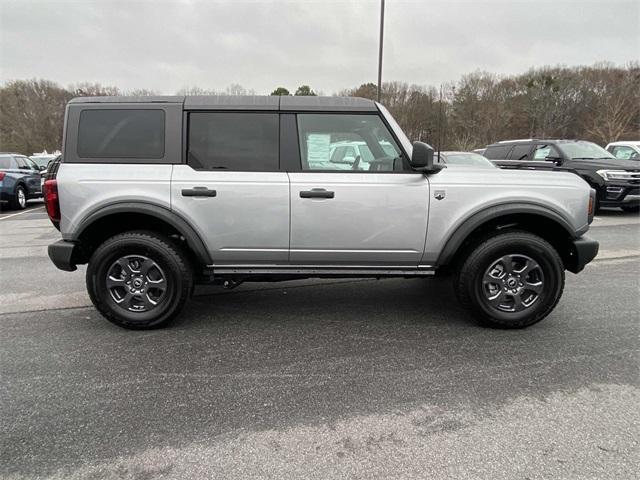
616	181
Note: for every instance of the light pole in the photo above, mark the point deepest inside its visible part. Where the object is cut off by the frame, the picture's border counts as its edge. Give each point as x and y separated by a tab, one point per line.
380	49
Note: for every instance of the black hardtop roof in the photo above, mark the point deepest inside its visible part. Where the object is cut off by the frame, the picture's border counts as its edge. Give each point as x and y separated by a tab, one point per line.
247	102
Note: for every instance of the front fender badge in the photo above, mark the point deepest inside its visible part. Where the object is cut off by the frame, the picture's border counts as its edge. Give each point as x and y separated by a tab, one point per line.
440	194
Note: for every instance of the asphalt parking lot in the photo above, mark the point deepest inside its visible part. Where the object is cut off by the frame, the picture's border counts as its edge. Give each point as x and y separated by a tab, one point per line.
318	379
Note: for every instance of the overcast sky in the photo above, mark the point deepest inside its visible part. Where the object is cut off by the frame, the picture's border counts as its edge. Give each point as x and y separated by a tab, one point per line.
166	45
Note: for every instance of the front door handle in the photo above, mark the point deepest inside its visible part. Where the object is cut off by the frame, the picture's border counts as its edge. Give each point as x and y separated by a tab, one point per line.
198	192
316	193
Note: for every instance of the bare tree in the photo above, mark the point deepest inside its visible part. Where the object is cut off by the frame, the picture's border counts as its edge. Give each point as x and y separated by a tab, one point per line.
31	116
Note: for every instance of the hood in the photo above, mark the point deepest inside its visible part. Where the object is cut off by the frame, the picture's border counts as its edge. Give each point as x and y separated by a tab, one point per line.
506	178
602	164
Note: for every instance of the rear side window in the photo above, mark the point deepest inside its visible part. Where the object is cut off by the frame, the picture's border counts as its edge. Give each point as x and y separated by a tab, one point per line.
520	152
122	133
233	141
7	162
499	152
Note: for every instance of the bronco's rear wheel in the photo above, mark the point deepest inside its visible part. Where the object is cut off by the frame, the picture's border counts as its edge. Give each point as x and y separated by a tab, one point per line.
511	280
139	280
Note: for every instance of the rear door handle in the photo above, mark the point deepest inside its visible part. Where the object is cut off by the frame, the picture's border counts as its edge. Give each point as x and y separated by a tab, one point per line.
316	193
198	192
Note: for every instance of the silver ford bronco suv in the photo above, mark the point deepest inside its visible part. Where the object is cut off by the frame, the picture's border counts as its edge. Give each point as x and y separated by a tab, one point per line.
158	194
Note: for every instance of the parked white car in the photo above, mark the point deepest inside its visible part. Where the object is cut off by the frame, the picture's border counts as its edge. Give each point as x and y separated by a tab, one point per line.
625	150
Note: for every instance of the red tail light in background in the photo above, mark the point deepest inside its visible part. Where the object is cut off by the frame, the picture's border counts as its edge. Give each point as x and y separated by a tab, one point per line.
52	201
2	174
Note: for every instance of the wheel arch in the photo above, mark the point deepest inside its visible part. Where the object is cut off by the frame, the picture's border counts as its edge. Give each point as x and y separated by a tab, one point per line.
116	218
533	218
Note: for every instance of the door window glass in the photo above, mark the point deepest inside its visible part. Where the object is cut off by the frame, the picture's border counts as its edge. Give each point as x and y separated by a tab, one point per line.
31	164
498	152
624	153
22	164
334	142
233	141
520	152
543	151
7	162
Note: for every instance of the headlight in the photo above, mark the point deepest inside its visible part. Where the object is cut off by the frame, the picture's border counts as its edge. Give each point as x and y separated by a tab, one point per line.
614	174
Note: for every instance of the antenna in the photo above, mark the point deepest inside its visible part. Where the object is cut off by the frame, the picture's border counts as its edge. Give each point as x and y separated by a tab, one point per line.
440	125
380	50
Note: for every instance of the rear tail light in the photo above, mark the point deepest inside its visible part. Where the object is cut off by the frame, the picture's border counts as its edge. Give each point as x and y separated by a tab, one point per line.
52	201
2	174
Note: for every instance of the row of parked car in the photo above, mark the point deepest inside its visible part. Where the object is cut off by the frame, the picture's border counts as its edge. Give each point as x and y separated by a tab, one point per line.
21	178
614	171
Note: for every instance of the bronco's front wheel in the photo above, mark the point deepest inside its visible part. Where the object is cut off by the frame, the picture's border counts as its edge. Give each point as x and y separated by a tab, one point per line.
139	280
511	280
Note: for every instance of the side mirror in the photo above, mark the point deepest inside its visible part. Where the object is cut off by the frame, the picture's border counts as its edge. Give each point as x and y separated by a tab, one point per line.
554	159
42	167
422	159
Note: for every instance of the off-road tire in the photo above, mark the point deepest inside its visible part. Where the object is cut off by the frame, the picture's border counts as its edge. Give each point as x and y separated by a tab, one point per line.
468	283
161	250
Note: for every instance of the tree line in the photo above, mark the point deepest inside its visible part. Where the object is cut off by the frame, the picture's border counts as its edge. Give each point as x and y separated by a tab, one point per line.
600	103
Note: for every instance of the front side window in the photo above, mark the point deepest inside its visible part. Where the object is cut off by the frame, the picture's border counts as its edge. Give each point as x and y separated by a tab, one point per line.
233	141
335	142
121	133
625	153
31	164
543	151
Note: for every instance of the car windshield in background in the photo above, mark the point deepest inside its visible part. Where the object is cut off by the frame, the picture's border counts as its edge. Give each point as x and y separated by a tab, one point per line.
469	159
5	161
43	160
584	150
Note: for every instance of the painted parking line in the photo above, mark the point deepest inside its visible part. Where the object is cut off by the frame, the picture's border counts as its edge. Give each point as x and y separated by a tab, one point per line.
20	213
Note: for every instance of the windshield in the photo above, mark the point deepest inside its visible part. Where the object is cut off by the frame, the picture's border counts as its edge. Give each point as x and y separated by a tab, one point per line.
470	159
584	150
42	161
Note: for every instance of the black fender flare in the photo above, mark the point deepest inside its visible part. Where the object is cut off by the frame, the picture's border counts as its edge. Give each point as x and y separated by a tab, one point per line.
475	220
193	239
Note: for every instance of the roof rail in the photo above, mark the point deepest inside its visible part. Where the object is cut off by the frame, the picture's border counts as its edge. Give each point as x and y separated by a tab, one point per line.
518	140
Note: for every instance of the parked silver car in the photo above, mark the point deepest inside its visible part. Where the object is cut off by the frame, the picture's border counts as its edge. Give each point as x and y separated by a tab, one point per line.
159	194
625	150
466	159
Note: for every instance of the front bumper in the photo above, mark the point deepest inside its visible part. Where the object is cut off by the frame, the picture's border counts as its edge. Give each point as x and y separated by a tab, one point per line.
581	252
62	253
619	194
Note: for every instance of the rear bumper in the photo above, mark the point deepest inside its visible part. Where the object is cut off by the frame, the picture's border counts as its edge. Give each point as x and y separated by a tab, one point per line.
61	254
583	250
